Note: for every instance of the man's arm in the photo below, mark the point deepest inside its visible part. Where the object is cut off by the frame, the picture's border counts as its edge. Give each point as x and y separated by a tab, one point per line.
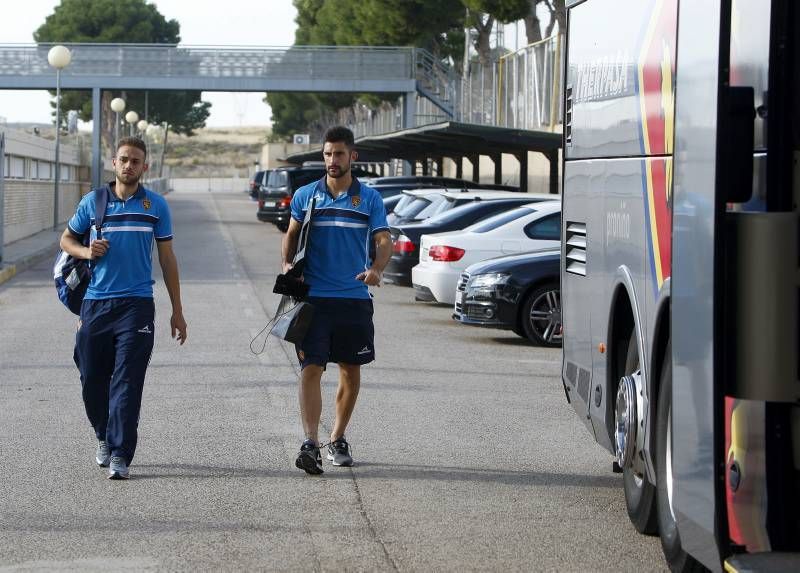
383	252
71	245
289	244
169	268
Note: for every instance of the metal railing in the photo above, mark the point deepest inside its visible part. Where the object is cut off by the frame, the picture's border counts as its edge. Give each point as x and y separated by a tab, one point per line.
166	60
522	90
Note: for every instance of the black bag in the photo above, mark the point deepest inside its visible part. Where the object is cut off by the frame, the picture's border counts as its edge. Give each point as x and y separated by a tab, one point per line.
291	325
72	275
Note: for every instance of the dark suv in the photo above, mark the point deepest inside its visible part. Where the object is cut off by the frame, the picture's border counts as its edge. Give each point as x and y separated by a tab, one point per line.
274	199
258	181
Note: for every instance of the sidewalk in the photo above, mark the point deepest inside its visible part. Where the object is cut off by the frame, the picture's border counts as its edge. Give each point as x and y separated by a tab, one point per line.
25	253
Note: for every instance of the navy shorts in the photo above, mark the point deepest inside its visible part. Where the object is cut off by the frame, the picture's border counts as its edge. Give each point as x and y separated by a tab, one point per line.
341	330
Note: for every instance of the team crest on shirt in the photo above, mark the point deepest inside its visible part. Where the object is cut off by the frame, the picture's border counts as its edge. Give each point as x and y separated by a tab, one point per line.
355	200
146	204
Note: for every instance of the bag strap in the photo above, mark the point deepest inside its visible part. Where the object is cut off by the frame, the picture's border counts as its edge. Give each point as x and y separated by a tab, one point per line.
100	204
303	241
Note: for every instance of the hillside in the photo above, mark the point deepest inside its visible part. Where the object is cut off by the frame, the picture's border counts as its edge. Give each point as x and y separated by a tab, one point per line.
215	152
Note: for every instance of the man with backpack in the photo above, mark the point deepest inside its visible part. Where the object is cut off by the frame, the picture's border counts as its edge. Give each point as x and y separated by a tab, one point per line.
116	329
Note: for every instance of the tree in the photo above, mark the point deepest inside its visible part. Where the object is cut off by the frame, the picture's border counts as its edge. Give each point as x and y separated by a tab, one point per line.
483	15
130	21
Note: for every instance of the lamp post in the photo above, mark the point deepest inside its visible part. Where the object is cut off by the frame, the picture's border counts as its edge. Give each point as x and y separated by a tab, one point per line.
142	127
59	57
117	106
132	117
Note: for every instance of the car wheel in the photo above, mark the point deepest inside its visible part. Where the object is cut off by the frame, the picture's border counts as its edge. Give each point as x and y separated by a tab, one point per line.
676	557
541	315
640	494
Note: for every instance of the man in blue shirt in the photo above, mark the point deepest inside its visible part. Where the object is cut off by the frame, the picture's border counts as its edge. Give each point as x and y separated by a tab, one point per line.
115	333
347	216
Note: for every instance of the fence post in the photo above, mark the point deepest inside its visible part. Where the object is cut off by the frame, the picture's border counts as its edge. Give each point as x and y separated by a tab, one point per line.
2	192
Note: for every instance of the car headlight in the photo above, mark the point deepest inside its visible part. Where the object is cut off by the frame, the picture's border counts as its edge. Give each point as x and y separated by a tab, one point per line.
489	280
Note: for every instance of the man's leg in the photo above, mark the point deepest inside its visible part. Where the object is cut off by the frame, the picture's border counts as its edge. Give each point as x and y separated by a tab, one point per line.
134	334
94	357
311	400
346	395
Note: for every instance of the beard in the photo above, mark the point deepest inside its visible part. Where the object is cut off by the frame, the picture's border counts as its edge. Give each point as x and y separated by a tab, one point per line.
338	172
128	178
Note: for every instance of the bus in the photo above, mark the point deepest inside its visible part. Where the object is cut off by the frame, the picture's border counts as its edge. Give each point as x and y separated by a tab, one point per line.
679	268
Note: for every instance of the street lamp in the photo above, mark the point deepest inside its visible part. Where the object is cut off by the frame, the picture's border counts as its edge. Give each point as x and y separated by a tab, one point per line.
142	127
59	57
132	117
117	106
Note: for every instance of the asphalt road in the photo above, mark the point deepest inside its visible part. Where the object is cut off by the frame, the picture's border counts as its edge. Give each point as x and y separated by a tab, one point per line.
468	456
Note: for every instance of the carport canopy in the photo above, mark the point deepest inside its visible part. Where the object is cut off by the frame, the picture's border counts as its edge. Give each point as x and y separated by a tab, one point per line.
456	141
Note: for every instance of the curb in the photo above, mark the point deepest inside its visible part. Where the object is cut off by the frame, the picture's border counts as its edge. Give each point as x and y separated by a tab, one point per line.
12	269
6	273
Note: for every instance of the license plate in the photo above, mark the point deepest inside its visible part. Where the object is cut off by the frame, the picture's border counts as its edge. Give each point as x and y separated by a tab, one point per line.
270	203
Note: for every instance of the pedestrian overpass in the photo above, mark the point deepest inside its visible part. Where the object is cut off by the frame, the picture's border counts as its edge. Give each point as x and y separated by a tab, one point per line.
97	67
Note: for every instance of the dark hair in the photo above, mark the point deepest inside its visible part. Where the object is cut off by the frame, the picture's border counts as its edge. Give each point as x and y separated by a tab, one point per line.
339	133
136	142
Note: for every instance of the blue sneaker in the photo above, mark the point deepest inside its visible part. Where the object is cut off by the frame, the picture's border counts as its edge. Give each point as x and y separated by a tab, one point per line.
103	454
118	469
309	459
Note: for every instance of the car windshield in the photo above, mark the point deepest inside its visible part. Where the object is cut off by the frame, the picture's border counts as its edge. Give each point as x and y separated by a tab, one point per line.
493	223
417	205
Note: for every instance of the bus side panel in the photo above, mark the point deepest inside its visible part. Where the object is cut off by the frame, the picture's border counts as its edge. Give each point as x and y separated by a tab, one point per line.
692	283
582	245
620	220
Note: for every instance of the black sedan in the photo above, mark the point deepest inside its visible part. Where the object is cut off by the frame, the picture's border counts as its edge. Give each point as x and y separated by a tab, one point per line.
406	237
519	292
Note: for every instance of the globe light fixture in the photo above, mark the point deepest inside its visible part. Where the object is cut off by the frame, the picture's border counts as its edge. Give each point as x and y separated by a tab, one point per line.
58	57
132	117
117	106
142	126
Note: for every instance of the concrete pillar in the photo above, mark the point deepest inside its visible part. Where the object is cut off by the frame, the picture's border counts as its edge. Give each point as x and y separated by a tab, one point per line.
475	159
440	166
498	167
523	171
553	158
459	161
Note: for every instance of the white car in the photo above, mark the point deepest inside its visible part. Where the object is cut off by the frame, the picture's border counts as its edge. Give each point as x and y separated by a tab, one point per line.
444	256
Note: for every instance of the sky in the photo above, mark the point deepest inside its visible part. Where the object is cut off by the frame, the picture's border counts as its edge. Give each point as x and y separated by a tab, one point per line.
203	23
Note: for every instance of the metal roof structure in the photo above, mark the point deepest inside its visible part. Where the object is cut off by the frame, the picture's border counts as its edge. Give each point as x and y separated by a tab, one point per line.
456	141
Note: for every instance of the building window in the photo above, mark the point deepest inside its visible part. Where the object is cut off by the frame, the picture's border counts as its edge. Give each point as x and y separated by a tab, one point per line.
33	169
45	170
65	171
16	167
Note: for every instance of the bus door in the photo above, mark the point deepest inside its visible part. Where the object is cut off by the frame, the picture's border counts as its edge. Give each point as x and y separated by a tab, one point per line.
734	285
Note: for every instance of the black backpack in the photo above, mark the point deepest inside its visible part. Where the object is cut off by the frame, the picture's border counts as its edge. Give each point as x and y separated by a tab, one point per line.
72	275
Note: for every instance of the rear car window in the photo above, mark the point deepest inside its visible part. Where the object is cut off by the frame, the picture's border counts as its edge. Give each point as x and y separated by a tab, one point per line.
493	223
546	228
278	179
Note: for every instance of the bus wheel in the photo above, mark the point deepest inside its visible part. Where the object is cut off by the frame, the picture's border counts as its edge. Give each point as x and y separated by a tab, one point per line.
677	558
640	494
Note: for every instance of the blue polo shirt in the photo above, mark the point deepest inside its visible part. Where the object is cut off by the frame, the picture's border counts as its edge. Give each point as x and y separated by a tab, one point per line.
338	244
130	227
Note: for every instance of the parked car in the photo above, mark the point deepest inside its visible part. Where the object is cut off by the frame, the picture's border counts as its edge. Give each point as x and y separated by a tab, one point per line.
276	197
406	237
444	256
390	186
519	292
429	202
257	183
